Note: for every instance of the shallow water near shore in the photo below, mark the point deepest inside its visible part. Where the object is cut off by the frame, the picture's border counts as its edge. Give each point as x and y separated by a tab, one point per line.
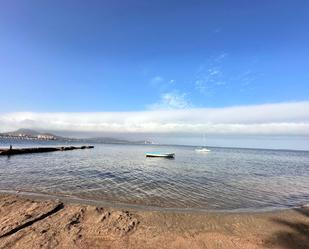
223	179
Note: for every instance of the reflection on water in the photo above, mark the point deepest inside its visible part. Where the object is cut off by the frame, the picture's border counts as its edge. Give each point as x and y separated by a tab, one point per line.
223	179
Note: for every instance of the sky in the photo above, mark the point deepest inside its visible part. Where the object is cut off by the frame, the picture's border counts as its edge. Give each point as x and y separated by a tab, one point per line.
171	71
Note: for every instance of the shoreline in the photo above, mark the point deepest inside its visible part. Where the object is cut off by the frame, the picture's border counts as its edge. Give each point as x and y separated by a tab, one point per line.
27	222
139	207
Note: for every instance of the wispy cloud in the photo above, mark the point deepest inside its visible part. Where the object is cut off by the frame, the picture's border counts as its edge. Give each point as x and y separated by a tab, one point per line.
220	57
246	78
171	100
211	74
268	119
156	80
161	83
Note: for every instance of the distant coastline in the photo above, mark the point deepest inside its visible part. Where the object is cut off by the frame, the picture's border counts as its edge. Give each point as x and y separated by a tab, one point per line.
27	134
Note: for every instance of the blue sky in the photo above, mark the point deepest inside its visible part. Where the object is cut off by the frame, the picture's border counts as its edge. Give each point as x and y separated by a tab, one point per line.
106	56
128	56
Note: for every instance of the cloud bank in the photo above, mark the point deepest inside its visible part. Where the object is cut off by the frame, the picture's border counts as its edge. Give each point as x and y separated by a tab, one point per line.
272	119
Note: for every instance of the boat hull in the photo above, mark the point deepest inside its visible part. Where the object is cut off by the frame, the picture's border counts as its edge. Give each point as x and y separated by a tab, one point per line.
167	155
204	150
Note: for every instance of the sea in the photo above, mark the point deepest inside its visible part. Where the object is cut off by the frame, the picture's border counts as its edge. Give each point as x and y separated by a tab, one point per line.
223	179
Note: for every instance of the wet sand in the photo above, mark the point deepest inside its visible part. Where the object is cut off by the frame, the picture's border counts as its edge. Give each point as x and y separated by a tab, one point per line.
33	223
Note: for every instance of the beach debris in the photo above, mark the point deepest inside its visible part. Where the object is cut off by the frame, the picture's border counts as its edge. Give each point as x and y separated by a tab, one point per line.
52	222
11	221
75	218
305	206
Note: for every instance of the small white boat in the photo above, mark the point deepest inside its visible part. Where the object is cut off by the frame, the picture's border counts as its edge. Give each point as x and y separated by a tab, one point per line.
159	154
202	150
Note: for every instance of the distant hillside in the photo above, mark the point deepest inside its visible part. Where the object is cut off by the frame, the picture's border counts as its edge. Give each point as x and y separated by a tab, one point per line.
27	132
109	140
30	134
35	135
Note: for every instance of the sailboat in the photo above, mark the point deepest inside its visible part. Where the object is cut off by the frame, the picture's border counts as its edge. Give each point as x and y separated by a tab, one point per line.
202	149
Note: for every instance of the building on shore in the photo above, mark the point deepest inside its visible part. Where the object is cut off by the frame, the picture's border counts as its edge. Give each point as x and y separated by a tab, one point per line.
46	137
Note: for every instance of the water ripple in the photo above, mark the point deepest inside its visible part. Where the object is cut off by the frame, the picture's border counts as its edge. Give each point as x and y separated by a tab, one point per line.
222	179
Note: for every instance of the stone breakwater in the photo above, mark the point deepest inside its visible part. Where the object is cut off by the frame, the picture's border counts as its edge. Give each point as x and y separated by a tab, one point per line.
16	151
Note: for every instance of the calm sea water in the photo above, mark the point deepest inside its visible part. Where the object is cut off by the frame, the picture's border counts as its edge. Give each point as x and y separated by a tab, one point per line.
223	179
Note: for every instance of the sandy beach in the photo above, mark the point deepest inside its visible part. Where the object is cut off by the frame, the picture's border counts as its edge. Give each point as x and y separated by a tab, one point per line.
33	223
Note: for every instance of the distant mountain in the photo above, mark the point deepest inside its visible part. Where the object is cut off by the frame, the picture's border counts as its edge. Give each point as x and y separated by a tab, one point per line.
109	140
32	134
27	132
